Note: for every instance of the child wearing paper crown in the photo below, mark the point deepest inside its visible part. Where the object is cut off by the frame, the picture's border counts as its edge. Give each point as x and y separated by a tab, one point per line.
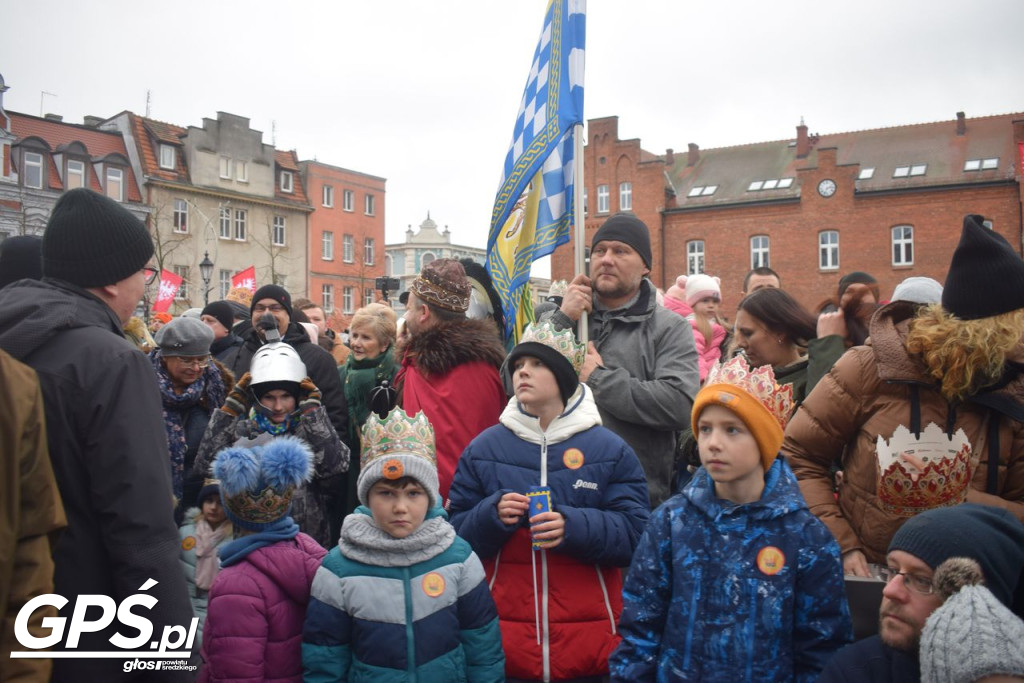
558	603
401	597
734	579
258	601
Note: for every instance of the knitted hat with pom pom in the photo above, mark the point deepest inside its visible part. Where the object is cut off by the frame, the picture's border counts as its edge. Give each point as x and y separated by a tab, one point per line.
257	483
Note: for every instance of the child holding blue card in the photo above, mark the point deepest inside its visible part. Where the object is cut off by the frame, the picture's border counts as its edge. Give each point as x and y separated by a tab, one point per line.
553	503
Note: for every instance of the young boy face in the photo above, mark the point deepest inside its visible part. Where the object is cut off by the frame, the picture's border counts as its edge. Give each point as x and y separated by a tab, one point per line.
728	450
534	383
398	507
213	511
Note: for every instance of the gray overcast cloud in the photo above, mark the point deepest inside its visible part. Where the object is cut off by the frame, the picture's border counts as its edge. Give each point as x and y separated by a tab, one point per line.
425	93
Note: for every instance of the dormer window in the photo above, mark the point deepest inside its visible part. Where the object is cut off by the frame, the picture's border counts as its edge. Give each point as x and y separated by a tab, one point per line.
168	157
75	176
115	183
33	170
287	182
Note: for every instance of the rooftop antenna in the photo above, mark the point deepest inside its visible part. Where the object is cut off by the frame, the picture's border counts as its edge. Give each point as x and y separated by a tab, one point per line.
273	133
42	94
147	103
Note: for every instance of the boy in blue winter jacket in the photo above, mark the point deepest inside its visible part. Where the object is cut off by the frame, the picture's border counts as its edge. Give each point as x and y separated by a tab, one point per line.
734	578
401	597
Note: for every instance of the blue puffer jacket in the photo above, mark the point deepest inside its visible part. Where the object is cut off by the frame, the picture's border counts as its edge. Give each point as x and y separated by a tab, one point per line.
573	591
725	592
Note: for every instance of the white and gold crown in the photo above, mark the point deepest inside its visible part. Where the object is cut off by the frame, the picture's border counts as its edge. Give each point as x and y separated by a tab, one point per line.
562	341
920	473
398	433
758	382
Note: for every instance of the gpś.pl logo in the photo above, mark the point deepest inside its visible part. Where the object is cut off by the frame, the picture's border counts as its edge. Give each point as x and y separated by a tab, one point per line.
166	648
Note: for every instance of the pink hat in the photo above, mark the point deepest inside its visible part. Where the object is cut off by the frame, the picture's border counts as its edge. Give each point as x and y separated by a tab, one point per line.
677	291
700	287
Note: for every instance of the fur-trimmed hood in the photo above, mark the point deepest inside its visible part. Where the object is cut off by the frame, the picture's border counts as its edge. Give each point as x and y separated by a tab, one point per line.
441	348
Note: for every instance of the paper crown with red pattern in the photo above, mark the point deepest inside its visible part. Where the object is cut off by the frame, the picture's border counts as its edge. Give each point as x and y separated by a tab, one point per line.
920	473
395	447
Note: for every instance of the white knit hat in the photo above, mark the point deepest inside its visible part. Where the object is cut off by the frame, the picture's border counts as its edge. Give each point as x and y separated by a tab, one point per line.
972	635
700	287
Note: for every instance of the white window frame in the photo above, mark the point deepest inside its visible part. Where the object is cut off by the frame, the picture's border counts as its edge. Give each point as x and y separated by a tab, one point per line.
33	160
180	221
902	243
327	245
370	205
168	157
241	225
280	233
224	279
369	295
225	223
115	181
760	252
625	196
347	296
328	196
348	199
79	172
225	167
287	182
369	251
182	272
602	199
695	257
327	299
704	190
242	171
348	246
828	250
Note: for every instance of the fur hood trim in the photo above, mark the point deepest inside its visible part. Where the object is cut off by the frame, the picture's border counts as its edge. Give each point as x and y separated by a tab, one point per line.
449	344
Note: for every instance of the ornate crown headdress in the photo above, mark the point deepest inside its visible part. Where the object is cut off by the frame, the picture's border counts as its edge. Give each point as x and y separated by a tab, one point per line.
397	434
758	382
920	473
558	288
562	341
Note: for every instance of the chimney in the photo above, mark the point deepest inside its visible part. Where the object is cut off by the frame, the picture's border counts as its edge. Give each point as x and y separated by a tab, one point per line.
92	121
961	123
692	154
54	117
670	157
803	144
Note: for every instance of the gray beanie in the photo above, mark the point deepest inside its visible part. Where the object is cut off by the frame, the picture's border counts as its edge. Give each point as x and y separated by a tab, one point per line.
920	290
186	337
973	634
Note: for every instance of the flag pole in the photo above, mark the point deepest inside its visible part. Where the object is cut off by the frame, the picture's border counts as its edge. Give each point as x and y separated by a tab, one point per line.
579	220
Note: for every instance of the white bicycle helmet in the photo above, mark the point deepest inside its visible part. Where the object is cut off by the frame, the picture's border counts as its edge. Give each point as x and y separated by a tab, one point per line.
277	362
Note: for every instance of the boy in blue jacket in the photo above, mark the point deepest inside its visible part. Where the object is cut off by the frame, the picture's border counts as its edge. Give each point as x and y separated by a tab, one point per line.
401	597
734	578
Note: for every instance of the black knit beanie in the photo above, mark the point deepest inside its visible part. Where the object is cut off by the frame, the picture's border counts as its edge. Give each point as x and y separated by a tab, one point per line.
275	292
20	258
222	311
991	536
92	241
626	228
986	276
559	365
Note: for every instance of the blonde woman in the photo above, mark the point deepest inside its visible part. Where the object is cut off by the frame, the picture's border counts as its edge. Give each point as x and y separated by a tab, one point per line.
928	414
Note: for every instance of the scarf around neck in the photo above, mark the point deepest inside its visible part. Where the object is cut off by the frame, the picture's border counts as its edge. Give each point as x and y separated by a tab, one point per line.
237	550
361	376
207	540
363	541
209	386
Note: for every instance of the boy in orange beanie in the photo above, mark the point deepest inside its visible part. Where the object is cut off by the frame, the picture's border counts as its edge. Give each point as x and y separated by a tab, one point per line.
734	578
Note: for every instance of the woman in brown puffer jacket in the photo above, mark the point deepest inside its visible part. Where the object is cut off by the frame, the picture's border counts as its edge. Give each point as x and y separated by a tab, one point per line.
958	367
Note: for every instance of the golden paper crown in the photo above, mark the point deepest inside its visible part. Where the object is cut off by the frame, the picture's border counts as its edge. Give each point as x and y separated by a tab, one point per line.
562	341
558	288
759	383
397	434
920	473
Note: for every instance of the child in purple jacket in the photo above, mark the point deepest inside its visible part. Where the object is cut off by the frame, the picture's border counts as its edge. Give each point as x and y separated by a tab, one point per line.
258	601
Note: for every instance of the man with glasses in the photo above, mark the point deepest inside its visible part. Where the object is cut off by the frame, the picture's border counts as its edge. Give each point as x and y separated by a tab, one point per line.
104	423
991	536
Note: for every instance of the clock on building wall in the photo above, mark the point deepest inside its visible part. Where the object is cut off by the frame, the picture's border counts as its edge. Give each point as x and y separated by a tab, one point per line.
827	187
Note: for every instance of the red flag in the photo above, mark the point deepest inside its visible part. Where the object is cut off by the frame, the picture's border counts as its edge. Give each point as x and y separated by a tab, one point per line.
246	278
169	284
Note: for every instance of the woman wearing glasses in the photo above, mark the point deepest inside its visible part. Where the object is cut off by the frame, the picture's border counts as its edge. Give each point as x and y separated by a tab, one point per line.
192	386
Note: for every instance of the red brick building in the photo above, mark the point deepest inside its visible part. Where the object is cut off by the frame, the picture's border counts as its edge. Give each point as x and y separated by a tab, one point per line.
888	201
346	237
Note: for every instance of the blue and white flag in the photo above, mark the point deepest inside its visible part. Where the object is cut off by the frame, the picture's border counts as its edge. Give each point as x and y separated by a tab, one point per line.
540	158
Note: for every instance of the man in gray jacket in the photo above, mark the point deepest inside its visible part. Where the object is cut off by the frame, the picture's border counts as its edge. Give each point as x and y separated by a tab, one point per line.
641	359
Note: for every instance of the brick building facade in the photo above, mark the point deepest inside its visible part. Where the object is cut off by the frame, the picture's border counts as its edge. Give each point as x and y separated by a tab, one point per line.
887	201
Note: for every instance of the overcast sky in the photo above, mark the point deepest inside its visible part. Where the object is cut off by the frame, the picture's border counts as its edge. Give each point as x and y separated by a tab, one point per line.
424	93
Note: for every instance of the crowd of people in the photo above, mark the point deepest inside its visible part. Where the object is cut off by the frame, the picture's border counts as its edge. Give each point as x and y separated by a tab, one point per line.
682	497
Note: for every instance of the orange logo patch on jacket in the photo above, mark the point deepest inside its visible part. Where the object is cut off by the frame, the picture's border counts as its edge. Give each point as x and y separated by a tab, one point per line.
433	584
770	560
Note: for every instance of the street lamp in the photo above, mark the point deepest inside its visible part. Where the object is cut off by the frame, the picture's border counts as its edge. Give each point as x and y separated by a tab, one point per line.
206	271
